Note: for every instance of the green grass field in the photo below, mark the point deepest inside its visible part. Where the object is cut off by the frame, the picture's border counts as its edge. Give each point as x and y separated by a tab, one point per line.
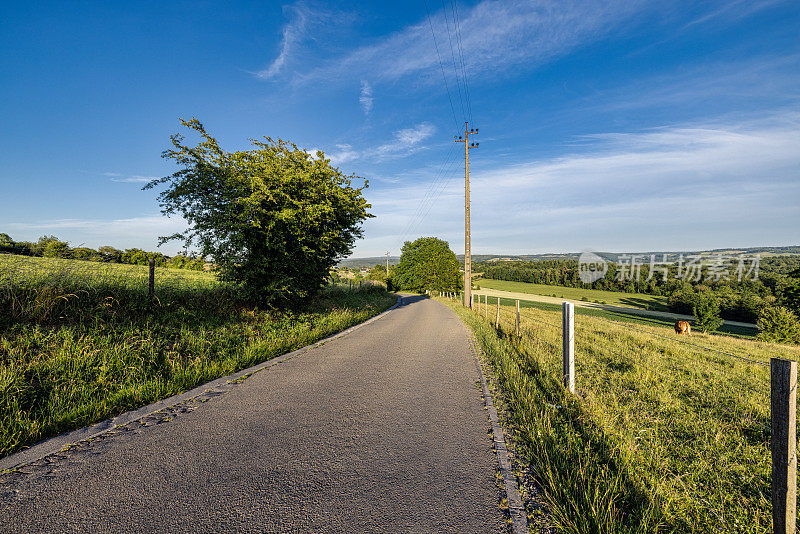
662	436
80	342
725	329
614	298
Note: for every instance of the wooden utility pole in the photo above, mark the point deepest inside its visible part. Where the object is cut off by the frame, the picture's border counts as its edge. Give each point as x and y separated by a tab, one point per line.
467	239
151	286
784	444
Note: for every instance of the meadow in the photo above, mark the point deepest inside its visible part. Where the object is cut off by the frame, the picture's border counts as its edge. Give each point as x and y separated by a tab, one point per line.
81	342
664	434
620	316
614	298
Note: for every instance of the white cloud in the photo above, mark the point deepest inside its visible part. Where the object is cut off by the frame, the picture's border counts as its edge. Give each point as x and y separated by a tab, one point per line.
141	232
495	35
678	187
735	10
748	80
404	143
342	154
135	179
365	98
294	32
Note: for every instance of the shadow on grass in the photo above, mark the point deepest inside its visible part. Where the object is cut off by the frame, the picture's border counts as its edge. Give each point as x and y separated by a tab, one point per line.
573	459
644	303
647	320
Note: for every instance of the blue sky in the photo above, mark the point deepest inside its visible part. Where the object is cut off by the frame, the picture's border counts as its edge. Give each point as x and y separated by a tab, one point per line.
622	126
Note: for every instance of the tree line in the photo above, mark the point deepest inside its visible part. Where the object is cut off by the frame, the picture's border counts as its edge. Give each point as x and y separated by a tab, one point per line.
49	246
774	296
425	264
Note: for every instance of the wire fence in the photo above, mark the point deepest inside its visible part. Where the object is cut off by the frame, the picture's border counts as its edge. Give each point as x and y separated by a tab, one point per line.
684	390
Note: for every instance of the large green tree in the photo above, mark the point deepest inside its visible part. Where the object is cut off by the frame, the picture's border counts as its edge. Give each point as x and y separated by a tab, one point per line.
427	263
274	218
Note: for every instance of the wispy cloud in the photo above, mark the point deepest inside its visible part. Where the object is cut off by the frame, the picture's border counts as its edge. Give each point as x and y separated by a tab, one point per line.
142	232
343	154
495	35
681	186
294	32
775	78
128	179
736	10
404	142
365	98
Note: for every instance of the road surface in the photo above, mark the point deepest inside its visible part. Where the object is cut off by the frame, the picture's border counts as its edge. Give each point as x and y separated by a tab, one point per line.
383	429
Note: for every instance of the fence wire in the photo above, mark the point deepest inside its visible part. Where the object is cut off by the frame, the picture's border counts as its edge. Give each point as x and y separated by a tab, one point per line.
656	334
507	312
668	422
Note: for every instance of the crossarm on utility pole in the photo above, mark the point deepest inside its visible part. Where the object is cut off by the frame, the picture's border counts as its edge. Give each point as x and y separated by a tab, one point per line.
467	230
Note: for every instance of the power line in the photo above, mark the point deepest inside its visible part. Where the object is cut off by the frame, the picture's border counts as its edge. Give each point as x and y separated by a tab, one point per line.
426	197
453	56
437	187
467	224
441	64
430	196
461	54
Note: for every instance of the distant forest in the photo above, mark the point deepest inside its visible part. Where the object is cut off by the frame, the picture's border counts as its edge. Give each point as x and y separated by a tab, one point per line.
778	282
50	246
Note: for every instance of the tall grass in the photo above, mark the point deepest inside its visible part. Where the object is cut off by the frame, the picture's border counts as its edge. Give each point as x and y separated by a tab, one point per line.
662	436
80	342
48	290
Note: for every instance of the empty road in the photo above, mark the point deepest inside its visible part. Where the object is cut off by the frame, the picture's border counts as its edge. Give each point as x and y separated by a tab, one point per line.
383	429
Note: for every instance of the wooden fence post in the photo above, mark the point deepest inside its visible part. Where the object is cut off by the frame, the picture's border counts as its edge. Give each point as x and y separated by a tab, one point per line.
568	333
497	318
151	286
783	393
516	329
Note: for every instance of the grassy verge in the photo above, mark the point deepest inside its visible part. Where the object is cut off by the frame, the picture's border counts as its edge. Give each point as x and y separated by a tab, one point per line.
615	298
79	342
662	436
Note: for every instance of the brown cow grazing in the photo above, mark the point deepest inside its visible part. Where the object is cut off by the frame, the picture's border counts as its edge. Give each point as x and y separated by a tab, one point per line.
682	327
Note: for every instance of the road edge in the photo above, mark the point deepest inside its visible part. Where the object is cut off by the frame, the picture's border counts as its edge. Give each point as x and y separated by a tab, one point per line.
516	509
215	387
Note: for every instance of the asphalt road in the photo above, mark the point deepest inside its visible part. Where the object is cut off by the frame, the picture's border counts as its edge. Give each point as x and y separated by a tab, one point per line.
381	430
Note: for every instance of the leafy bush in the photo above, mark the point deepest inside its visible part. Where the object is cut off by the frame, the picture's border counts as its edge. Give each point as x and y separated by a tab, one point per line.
378	273
86	254
55	249
110	254
275	219
6	243
427	263
706	312
181	261
135	256
791	296
779	325
682	300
